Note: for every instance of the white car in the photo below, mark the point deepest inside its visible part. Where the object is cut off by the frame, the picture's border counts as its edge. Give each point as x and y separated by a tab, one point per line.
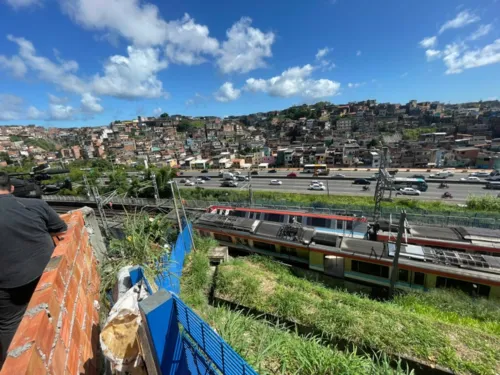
439	175
479	174
189	183
470	178
408	191
275	182
316	182
200	181
316	187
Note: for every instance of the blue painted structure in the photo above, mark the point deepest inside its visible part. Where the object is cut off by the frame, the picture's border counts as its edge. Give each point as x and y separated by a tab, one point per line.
183	343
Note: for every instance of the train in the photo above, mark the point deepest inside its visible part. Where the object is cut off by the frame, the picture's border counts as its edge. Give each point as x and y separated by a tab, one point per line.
464	239
355	259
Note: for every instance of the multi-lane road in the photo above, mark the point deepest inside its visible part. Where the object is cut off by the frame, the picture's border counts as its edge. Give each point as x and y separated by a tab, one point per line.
459	191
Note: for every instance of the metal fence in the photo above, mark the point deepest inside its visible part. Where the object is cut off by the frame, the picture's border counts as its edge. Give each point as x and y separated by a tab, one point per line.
206	351
415	216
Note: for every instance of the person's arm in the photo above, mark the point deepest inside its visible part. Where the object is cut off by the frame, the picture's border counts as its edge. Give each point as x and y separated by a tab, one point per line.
54	223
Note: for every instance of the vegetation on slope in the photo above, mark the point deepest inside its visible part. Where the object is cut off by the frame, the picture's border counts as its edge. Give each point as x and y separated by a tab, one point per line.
397	328
266	347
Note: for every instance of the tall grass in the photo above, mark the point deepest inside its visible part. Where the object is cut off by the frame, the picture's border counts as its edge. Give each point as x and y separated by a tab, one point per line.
484	203
143	244
267	347
454	306
389	327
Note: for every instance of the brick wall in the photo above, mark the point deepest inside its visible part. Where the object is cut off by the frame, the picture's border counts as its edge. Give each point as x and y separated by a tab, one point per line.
59	333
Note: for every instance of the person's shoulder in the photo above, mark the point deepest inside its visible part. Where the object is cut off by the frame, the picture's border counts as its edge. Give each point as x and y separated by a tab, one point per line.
31	202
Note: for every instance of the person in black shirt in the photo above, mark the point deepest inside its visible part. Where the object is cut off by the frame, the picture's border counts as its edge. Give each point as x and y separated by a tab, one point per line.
26	246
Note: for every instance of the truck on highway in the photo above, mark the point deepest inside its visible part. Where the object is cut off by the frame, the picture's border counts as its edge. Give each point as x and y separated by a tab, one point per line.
228	176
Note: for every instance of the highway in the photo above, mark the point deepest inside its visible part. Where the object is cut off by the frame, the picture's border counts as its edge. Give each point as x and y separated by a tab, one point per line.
340	187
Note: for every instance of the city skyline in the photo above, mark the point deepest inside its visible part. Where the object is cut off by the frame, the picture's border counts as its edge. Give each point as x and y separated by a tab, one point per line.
194	60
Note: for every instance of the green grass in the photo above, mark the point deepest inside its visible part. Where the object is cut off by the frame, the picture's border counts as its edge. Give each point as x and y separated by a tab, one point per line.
488	204
44	144
454	306
396	328
268	348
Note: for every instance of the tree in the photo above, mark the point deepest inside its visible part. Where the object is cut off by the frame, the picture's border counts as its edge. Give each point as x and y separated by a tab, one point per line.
5	156
373	143
164	115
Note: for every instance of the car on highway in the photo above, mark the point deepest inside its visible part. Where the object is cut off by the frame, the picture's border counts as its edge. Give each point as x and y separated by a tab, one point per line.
204	171
229	184
272	171
316	187
408	191
183	180
439	175
275	182
242	178
421	176
205	178
470	178
189	183
373	177
255	173
316	182
291	175
200	181
339	175
361	181
480	174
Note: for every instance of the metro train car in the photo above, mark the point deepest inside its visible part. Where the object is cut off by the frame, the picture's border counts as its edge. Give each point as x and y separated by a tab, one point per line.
471	240
360	260
352	226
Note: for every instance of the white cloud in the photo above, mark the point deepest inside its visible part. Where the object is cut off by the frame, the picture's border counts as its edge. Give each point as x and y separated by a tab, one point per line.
355	85
12	108
14	64
457	57
428	42
34	114
322	53
60	112
462	19
137	22
492	98
245	48
59	74
227	93
133	76
90	103
58	100
481	31
292	82
17	4
157	111
188	41
432	54
358	53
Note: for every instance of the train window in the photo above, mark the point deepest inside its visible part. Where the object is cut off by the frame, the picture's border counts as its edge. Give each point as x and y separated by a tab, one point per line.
419	278
221	237
348	225
403	275
274	217
288	250
264	246
340	224
238	213
465	286
370	268
321	222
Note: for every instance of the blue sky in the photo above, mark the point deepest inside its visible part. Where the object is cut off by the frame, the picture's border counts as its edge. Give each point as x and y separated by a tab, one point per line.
88	62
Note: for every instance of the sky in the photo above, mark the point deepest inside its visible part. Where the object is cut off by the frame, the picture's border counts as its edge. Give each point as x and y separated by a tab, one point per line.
69	63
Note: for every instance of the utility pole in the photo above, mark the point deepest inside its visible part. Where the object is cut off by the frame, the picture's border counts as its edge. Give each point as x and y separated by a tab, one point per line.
395	262
327	188
250	192
175	207
383	183
185	216
87	185
155	187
